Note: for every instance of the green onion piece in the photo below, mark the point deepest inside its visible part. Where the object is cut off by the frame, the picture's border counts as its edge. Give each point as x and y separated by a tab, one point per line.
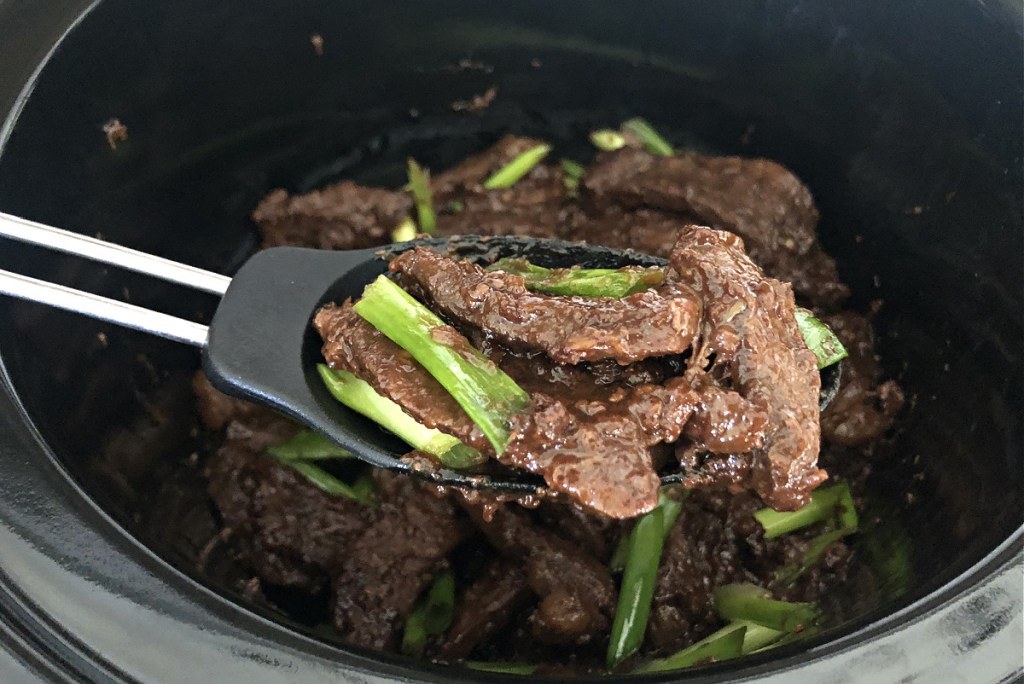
404	231
523	669
823	506
581	282
358	395
758	637
648	137
607	140
843	522
725	644
484	391
753	603
819	338
307	445
637	588
419	184
364	487
672	509
431	617
414	636
328	483
572	172
440	604
455	206
784	639
572	169
815	549
509	174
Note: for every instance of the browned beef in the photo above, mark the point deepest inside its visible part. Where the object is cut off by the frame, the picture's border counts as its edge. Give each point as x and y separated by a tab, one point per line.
341	216
725	422
750	332
567	329
863	410
352	344
700	553
759	200
291	533
576	590
485	608
598	453
535	206
387	567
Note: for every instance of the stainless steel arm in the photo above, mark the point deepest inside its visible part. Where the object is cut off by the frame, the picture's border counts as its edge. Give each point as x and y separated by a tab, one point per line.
121	313
40	234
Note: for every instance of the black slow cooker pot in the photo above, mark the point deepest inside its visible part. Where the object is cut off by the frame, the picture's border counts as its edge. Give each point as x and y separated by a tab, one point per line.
904	118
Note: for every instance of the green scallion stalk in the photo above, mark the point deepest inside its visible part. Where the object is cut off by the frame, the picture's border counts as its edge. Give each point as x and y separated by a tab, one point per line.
671	507
786	638
419	184
758	637
431	617
819	338
328	483
789	573
404	231
572	172
725	644
637	587
755	604
822	507
648	137
581	282
607	140
484	391
509	174
572	169
307	445
358	395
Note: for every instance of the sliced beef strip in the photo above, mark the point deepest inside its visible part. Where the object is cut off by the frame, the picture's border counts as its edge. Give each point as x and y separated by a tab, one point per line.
576	590
598	453
291	533
388	566
725	422
759	200
863	409
485	608
750	330
568	329
341	216
352	344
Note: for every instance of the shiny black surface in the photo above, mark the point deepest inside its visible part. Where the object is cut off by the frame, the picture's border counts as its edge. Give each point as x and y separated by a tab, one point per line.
904	118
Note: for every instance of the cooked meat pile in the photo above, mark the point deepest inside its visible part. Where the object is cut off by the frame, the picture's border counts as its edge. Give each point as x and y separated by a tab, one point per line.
706	371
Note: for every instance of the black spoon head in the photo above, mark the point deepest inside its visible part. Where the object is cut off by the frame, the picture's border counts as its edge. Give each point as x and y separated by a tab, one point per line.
262	346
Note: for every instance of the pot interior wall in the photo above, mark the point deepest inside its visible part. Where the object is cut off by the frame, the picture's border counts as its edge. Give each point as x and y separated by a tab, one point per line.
912	151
